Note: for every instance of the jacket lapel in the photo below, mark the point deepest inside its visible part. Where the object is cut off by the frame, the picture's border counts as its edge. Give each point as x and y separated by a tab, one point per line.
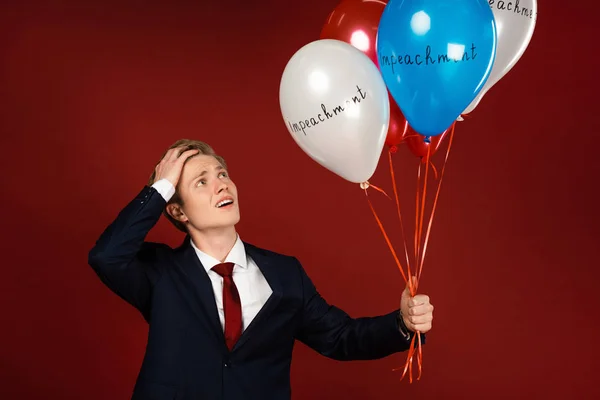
271	274
196	287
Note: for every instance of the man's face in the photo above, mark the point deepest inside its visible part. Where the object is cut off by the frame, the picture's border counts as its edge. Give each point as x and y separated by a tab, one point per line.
209	196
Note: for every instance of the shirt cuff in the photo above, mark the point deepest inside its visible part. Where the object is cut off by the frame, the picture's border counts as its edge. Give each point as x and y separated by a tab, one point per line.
402	327
165	188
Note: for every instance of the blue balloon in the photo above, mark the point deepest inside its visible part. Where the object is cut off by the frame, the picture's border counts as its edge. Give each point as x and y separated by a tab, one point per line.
435	56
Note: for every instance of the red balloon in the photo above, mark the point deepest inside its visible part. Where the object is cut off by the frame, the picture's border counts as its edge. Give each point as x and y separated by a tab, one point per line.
419	146
356	22
398	127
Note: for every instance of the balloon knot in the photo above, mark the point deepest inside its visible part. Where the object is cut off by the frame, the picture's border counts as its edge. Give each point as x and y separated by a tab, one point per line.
393	149
364	185
427	139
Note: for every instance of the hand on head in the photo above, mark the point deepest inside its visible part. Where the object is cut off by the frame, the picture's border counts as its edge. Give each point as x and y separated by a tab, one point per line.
171	165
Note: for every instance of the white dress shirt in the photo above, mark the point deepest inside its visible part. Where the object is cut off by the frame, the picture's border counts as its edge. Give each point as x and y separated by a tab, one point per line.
252	286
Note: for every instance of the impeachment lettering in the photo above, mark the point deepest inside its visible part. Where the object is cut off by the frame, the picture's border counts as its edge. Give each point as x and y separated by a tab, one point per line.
513	6
426	58
309	122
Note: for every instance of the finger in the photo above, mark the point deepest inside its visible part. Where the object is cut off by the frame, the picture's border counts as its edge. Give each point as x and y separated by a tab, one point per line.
420	309
419	299
175	152
420	319
187	154
172	153
422	327
412	281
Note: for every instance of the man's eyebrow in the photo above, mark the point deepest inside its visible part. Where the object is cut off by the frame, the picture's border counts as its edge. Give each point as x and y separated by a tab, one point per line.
196	176
218	168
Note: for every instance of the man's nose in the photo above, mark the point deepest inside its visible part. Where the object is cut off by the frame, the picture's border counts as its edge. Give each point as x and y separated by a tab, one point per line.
221	186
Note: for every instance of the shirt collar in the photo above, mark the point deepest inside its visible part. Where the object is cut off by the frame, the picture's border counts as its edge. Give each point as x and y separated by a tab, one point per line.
237	255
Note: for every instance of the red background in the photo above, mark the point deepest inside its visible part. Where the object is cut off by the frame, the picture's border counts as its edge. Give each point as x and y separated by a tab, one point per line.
92	93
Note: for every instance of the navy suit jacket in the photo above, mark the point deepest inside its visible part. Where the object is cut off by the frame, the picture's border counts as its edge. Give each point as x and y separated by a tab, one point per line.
186	356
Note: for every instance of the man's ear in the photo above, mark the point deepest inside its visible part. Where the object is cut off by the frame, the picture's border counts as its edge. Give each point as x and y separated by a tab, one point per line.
175	211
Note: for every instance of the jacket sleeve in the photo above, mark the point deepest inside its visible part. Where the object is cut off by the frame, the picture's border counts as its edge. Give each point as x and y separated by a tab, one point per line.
122	259
334	334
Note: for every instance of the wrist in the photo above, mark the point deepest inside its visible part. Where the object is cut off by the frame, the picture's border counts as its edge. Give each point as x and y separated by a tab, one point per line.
165	188
404	330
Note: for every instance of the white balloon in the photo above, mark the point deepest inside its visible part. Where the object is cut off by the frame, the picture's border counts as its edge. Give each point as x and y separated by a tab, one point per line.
336	107
515	23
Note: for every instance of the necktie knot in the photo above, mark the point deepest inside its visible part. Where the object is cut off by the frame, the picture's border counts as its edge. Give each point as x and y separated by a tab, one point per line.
224	269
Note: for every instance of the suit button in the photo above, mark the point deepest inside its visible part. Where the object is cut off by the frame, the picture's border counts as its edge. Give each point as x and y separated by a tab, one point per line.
226	365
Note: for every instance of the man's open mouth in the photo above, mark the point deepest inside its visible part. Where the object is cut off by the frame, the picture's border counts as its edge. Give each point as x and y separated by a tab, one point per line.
224	203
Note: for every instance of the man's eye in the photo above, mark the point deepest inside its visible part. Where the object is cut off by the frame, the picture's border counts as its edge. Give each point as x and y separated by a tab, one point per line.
202	182
223	174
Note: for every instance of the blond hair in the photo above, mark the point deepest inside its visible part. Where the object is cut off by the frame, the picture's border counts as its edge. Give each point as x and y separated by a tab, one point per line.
185	144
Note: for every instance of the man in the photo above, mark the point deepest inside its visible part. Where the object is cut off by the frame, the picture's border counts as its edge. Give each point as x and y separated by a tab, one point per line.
223	314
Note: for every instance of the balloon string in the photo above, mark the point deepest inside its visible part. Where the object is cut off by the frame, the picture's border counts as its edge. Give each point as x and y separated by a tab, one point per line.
409	359
413	136
411	351
435	172
417	212
393	176
420	357
408	366
422	209
385	235
379	190
435	201
419	215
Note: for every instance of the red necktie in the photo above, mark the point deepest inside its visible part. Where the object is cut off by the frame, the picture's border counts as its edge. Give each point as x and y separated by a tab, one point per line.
231	304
